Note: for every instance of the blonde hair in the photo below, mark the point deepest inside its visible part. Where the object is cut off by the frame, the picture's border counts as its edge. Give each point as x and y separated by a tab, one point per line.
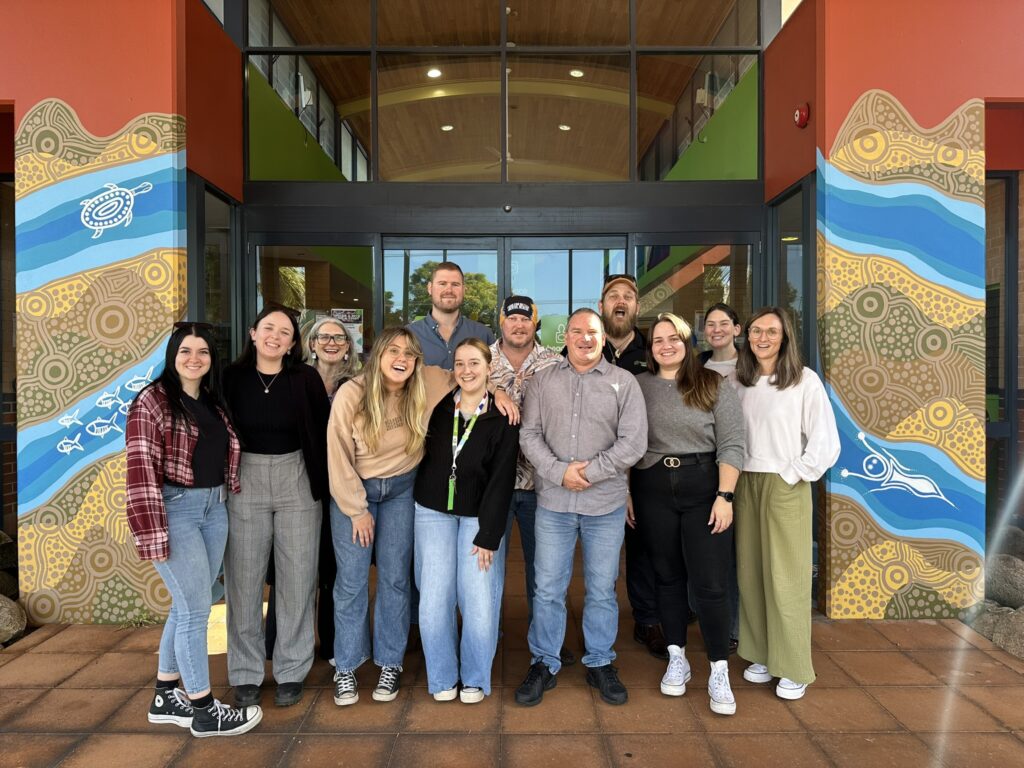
412	407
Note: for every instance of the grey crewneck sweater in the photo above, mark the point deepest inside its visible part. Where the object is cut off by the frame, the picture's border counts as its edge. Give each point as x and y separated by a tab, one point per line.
673	428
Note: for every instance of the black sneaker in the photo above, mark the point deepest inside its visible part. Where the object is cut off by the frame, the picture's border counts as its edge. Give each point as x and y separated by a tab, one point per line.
247	695
606	680
538	680
222	720
387	685
345	691
171	706
288	694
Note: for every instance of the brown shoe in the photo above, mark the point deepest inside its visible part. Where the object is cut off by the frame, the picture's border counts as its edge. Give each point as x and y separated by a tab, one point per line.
651	636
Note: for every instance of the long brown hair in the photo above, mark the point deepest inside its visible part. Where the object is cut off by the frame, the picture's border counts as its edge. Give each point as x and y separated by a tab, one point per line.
413	403
697	385
789	368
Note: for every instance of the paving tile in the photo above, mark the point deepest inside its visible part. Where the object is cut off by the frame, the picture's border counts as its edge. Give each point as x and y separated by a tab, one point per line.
14	700
851	635
968	634
968	666
365	716
638	669
515	664
977	750
1017	665
68	711
649	750
286	719
362	751
842	710
147	751
115	670
423	751
141	639
1004	703
8	656
35	637
515	631
553	751
219	670
82	638
253	750
758	710
131	716
767	750
425	715
920	634
24	749
934	709
882	668
650	711
564	710
828	674
878	750
37	670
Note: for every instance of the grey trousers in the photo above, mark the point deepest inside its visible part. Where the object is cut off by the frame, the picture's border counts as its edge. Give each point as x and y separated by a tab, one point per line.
275	506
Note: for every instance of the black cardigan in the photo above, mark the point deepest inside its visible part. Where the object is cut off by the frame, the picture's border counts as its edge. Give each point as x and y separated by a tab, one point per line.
485	472
311	409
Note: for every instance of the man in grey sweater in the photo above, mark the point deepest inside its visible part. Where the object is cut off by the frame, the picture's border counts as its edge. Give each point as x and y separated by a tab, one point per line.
584	426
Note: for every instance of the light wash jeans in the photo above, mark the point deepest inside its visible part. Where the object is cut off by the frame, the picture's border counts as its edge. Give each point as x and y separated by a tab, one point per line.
556	542
523	508
390	502
197	530
448	577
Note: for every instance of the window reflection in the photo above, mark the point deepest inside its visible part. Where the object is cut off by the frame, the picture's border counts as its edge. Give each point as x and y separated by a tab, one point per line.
707	22
407	272
568	22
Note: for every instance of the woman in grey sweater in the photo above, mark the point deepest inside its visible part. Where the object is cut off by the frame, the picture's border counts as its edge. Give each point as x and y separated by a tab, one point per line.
682	493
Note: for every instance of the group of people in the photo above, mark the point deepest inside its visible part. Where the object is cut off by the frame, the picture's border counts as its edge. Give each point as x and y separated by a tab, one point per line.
418	464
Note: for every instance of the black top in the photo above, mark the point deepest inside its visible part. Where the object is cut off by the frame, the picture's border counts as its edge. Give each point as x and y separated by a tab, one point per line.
211	452
633	357
485	472
297	404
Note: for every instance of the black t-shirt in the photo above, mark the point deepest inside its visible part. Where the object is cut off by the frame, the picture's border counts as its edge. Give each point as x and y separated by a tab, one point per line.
211	453
265	420
633	357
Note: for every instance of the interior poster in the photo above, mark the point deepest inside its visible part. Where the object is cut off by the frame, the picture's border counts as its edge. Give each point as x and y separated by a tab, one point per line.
352	319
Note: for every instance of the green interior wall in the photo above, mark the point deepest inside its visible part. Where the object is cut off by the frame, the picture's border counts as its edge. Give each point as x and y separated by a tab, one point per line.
280	147
355	261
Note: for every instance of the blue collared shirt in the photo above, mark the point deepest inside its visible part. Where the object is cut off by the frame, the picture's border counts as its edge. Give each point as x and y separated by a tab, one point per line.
437	351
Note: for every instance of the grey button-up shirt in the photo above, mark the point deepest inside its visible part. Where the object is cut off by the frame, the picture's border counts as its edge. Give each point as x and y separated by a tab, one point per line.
437	351
598	416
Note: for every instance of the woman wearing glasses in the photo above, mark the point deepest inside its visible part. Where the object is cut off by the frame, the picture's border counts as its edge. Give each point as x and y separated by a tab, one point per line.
182	460
791	441
280	409
330	349
682	493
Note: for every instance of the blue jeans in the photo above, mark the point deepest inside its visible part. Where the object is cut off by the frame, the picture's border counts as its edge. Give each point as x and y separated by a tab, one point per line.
197	530
448	577
390	503
556	542
523	508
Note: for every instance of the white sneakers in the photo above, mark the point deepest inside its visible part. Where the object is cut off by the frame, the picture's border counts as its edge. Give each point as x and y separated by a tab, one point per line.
471	695
677	674
447	695
786	689
722	700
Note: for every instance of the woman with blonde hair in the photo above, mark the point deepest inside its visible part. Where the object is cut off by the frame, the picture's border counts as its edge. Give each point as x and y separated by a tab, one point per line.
791	441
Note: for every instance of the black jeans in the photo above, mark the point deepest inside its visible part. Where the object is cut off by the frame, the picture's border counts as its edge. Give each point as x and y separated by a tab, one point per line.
672	507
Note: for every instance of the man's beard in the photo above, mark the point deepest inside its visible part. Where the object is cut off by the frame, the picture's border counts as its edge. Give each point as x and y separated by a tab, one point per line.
616	327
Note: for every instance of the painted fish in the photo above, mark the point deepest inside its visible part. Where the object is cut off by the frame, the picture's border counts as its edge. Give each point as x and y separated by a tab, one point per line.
100	427
136	383
107	399
68	419
67	445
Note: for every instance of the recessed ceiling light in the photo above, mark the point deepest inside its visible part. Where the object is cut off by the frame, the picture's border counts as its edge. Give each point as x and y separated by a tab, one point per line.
576	73
433	72
564	127
447	128
790	239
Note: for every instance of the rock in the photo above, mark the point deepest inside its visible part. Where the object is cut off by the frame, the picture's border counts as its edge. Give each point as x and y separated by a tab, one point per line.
1009	633
984	622
12	619
1004	580
1011	542
8	585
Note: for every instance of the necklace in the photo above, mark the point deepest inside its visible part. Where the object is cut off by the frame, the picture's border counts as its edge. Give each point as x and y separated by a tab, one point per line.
266	387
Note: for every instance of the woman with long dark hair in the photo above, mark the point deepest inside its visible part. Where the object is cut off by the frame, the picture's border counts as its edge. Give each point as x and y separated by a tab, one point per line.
721	329
280	409
682	497
791	441
182	460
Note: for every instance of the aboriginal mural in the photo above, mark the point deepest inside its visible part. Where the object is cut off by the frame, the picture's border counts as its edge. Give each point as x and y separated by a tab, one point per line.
100	232
901	305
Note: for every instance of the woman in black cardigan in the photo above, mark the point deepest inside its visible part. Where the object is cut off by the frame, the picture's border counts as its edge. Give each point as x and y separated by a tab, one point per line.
462	492
280	410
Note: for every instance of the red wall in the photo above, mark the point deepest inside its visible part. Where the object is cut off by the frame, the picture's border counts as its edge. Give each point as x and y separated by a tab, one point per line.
1004	137
213	101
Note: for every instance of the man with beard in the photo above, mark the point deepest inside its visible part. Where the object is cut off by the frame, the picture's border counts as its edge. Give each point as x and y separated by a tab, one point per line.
444	326
626	347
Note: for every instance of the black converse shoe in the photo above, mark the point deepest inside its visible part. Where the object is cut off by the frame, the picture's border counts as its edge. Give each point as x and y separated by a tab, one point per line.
387	685
345	691
171	705
222	720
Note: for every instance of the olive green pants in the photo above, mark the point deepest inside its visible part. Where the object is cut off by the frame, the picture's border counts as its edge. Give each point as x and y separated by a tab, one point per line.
773	559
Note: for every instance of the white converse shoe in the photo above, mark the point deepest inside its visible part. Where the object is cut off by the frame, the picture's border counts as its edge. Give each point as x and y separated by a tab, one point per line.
722	700
677	674
471	695
448	695
787	689
757	673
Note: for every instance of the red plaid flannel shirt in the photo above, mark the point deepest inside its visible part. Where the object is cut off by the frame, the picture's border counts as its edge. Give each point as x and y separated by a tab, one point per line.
158	454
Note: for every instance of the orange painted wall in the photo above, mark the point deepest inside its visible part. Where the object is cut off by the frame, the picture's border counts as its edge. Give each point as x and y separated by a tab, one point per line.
789	80
1004	137
213	101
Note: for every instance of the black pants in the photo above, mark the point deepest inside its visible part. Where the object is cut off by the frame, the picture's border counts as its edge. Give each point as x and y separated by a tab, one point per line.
672	508
640	587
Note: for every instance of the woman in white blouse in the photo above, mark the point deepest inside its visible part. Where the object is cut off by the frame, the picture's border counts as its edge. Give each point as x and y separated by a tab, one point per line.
791	440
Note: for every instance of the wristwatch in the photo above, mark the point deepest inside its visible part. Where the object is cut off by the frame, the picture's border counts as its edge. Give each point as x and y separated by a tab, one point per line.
726	495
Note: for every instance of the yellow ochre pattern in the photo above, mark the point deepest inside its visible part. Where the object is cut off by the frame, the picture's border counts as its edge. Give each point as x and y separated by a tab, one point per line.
950	426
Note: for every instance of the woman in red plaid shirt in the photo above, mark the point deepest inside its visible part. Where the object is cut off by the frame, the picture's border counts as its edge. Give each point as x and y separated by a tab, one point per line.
183	457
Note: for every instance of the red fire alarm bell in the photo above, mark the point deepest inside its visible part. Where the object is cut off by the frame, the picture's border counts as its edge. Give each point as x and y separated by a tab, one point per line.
801	115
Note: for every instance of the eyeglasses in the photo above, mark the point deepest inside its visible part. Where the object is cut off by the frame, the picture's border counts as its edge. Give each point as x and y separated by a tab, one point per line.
189	324
755	332
337	338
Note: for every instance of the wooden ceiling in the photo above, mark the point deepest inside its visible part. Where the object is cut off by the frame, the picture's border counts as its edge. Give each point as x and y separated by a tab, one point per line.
542	95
